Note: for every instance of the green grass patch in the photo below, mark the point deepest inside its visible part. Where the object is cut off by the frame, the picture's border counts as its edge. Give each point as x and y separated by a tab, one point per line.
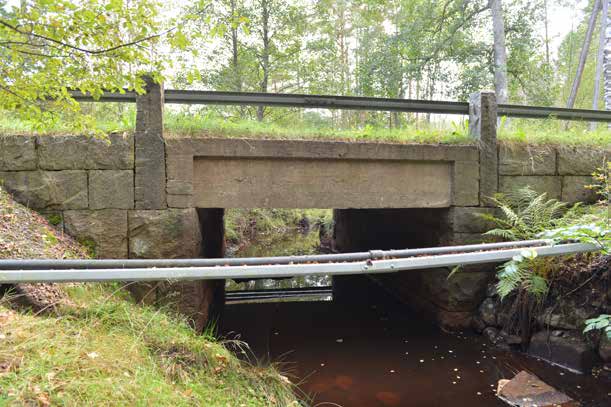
105	350
201	126
286	124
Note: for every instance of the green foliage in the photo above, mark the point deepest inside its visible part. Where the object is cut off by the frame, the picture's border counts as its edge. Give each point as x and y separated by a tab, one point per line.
602	323
528	215
523	271
47	47
601	183
596	234
525	214
553	132
102	349
245	224
89	245
54	219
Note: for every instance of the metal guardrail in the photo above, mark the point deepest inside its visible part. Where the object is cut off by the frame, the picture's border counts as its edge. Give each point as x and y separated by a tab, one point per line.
369	266
349	103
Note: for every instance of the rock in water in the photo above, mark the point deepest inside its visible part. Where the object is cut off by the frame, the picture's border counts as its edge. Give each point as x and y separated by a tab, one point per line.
526	390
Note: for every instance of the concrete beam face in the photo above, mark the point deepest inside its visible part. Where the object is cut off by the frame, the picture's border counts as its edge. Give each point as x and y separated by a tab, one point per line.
225	173
150	169
482	127
298	183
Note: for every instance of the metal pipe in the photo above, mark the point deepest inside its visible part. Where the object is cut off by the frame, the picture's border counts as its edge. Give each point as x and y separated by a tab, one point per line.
282	270
37	264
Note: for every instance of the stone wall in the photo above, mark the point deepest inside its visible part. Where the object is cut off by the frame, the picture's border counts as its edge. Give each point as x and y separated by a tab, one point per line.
85	186
562	172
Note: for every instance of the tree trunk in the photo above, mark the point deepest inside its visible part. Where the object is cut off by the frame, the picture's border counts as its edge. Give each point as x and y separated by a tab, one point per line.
607	61
237	76
600	59
582	57
547	59
264	55
500	51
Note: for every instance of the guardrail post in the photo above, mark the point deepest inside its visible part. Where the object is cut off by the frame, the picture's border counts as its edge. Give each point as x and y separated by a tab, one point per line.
482	126
150	178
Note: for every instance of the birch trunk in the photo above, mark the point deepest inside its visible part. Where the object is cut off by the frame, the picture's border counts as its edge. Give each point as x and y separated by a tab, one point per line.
600	59
583	55
265	11
607	60
500	51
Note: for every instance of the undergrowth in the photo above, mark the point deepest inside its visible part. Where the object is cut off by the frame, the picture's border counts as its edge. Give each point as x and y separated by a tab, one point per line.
244	225
526	278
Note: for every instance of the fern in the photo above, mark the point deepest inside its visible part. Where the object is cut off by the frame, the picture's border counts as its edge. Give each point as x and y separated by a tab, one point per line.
521	271
525	213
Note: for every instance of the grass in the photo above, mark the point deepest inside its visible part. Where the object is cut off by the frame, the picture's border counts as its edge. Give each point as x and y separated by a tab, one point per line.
198	126
285	124
97	347
104	350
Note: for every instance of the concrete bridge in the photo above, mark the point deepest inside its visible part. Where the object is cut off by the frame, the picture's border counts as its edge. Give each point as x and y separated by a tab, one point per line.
147	195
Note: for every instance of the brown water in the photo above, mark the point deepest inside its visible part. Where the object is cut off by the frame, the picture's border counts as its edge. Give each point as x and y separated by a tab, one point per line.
378	353
381	355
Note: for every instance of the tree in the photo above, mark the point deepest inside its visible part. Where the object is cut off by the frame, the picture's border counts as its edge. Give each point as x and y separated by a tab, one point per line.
500	51
47	47
277	27
583	55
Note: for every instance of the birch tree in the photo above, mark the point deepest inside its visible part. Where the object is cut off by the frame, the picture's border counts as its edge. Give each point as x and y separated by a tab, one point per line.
500	51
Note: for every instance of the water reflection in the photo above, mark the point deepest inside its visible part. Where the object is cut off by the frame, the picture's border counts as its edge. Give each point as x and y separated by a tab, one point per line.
288	244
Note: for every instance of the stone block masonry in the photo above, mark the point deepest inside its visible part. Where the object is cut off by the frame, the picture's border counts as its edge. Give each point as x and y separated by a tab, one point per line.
85	183
562	172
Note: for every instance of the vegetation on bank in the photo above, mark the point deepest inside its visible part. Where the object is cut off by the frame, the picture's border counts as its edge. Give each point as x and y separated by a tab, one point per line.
531	283
94	346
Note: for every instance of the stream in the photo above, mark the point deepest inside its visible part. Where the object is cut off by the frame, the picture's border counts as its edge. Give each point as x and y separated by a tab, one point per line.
379	353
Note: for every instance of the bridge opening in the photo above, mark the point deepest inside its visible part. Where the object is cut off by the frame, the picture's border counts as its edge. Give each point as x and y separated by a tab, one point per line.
339	230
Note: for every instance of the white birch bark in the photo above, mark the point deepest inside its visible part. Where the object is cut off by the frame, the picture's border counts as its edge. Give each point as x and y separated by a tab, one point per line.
500	51
583	55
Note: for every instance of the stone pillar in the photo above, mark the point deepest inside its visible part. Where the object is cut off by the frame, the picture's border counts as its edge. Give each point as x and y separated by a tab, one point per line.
347	232
212	226
150	178
482	126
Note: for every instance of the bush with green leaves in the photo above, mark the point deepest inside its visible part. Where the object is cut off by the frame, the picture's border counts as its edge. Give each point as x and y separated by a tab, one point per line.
601	183
592	233
525	213
601	322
